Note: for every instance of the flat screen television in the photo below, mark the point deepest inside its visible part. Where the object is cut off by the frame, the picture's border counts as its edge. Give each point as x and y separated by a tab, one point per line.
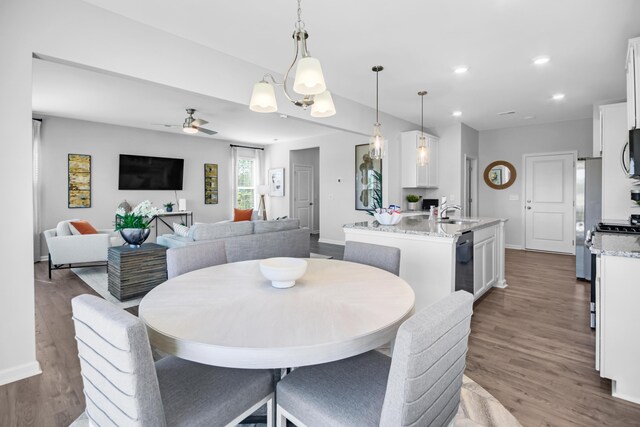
150	173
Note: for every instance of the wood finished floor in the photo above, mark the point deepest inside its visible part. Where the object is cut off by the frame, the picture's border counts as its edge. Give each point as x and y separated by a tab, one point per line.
530	346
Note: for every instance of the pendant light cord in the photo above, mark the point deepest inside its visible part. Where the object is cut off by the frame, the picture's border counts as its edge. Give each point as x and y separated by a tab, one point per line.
422	118
377	118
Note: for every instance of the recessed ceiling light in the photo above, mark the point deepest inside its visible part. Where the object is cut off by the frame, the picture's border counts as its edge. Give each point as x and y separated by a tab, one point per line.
461	69
558	97
284	116
529	117
541	60
457	113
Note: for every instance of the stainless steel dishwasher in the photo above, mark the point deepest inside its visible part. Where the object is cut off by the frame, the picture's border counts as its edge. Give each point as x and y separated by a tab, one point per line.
464	262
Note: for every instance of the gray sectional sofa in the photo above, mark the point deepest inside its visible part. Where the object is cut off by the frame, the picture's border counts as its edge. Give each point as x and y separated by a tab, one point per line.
247	239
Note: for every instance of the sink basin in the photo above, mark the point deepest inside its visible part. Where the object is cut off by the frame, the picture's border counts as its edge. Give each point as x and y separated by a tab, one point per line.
457	221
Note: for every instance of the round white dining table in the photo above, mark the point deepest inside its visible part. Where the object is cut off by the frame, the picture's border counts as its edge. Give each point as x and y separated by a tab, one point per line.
229	315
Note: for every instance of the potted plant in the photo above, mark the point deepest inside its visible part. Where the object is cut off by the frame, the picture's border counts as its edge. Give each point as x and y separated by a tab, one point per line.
412	200
134	226
169	206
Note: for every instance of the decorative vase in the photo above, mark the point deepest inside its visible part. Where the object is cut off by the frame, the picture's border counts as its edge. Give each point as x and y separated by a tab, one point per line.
135	236
125	205
169	208
412	206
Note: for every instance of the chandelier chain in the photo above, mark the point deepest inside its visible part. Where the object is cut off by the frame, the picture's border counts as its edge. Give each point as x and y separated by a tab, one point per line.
300	24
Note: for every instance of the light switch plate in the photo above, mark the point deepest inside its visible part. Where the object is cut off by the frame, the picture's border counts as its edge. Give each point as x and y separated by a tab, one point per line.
514	197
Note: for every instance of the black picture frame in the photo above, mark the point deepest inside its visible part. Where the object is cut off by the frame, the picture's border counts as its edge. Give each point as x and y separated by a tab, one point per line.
367	186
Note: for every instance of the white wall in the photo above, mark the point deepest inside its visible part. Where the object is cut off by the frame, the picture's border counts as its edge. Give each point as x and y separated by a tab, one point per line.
104	143
308	157
17	322
337	180
511	144
116	44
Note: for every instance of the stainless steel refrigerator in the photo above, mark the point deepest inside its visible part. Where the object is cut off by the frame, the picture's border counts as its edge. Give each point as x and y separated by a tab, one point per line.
588	209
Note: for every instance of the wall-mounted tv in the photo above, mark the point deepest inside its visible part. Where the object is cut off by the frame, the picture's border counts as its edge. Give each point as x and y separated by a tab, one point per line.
150	173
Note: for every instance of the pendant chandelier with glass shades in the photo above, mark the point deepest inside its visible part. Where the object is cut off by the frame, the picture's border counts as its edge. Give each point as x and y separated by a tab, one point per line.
377	142
308	81
423	153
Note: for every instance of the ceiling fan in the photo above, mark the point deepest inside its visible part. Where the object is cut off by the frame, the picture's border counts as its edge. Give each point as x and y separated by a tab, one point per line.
193	125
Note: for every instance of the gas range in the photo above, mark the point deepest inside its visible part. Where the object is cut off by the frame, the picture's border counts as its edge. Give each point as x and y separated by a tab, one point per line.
619	228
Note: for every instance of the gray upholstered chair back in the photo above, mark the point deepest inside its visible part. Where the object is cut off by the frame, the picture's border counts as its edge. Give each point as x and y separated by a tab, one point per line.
118	373
193	257
384	257
428	364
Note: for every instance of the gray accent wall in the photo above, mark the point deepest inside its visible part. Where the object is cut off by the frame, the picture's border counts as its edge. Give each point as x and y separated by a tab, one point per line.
511	144
105	143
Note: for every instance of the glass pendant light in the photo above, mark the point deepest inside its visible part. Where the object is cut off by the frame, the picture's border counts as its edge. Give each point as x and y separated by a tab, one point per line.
323	105
377	142
423	153
263	98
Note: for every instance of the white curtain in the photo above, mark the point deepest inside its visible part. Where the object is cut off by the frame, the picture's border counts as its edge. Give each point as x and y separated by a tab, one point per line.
234	178
261	170
37	188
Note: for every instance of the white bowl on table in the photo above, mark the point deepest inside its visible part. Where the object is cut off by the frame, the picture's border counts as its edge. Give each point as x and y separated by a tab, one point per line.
283	272
386	218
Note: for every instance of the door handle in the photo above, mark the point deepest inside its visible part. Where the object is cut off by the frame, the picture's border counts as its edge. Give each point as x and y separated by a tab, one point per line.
528	207
528	201
311	204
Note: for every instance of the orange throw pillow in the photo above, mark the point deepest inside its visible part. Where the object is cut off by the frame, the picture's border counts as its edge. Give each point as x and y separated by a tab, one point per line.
242	214
83	227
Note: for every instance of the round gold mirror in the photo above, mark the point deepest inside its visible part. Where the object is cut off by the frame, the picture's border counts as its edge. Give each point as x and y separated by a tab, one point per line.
500	175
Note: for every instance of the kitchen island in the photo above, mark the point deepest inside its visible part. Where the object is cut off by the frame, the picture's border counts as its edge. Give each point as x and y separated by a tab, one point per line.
428	252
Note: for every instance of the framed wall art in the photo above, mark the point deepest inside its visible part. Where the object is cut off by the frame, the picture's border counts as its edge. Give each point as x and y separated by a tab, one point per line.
368	174
276	182
210	184
79	180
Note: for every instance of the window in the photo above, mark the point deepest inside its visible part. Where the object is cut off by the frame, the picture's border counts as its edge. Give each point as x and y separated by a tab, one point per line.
246	183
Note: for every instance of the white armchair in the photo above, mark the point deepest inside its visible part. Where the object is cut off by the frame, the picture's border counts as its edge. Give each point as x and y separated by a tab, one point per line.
66	248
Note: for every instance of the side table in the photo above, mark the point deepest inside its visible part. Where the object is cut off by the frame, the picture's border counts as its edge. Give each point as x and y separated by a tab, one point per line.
135	271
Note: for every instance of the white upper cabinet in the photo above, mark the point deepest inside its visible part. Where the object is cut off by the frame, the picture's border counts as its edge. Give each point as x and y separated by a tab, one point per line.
414	175
633	83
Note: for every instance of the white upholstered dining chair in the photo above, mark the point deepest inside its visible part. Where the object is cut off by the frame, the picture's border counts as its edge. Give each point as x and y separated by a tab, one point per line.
123	386
419	386
384	257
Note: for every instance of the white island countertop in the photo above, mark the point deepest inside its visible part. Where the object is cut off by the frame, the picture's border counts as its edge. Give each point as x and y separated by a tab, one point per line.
417	224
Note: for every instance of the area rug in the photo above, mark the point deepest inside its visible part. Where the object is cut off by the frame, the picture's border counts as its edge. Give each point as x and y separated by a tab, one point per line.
96	279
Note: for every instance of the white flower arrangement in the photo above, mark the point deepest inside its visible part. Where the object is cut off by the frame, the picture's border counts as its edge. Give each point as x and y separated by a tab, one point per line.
139	217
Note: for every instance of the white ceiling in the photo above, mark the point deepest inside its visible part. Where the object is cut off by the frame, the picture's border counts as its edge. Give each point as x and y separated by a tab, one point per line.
65	91
420	42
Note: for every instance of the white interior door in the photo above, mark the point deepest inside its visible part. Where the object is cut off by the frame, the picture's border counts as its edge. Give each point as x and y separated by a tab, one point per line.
303	194
549	202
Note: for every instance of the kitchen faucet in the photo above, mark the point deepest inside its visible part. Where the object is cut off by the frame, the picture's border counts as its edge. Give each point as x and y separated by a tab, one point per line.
442	211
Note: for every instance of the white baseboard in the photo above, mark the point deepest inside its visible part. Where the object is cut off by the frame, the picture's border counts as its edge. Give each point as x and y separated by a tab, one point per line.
331	242
19	372
516	247
44	258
